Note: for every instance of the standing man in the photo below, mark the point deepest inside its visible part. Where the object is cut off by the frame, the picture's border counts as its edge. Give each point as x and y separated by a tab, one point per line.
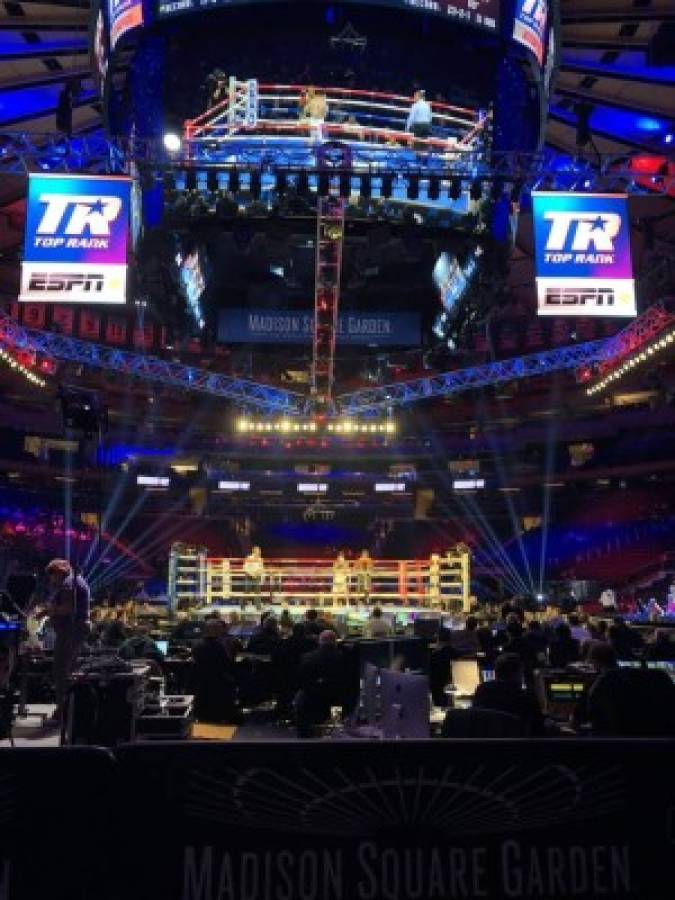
364	574
254	571
420	116
69	615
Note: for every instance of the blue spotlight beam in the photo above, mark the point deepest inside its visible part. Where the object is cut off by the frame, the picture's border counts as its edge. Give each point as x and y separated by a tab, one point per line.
151	368
450	383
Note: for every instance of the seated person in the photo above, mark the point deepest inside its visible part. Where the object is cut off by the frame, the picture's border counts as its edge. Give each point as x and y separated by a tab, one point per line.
440	667
535	638
626	702
140	646
321	683
314	624
465	641
626	641
287	658
517	643
507	694
213	682
563	649
265	640
602	657
661	649
376	626
578	630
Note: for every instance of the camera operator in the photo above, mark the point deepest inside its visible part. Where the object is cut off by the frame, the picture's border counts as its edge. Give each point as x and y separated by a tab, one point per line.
69	613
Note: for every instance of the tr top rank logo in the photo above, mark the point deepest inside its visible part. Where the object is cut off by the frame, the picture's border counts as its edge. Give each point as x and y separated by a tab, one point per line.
581	237
77	222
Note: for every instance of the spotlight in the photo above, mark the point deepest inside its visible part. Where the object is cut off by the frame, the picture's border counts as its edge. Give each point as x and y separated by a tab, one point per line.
233	181
413	187
455	191
191	180
476	190
172	142
345	185
366	186
255	185
212	180
434	187
387	186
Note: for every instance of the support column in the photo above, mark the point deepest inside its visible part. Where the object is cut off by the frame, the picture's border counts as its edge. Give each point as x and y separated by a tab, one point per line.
329	241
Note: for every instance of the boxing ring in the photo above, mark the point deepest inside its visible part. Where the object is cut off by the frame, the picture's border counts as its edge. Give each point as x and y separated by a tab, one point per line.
441	582
259	124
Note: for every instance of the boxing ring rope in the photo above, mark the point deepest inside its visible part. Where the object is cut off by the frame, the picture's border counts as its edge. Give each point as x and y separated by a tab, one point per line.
366	108
441	582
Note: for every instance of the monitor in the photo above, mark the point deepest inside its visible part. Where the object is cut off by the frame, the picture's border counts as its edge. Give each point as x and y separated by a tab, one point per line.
667	666
406	706
163	647
369	694
465	676
565	689
410	654
629	663
487	675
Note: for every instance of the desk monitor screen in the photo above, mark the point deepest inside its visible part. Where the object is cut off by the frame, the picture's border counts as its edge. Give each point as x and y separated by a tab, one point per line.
465	676
163	647
667	666
564	690
629	663
487	675
425	627
406	708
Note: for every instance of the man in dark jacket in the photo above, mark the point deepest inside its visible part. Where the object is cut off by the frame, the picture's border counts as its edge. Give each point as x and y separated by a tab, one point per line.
287	658
321	682
507	694
213	675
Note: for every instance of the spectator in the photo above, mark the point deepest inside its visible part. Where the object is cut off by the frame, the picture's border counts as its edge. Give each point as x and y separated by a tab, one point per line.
626	641
662	649
578	630
377	626
287	659
517	643
321	683
265	640
563	649
314	625
140	646
213	681
440	666
465	641
507	694
536	639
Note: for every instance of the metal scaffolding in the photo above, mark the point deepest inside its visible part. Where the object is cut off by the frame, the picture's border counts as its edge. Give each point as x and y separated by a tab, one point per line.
330	228
450	383
150	368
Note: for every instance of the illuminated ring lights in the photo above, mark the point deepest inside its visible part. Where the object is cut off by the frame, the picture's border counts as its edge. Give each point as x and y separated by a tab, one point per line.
633	362
377	119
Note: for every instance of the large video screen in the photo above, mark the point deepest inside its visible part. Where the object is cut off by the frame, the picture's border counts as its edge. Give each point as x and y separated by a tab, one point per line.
529	26
76	239
478	13
583	255
124	15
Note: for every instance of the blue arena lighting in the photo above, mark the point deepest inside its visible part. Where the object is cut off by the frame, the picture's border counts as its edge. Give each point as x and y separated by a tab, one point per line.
647	123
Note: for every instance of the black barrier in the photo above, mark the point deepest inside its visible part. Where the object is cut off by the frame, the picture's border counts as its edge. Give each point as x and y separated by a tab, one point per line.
403	820
55	824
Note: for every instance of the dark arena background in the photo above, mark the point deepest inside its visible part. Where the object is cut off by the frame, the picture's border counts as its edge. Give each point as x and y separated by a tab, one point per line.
337	441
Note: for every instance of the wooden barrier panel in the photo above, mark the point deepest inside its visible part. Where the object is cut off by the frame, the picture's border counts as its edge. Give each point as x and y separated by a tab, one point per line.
553	820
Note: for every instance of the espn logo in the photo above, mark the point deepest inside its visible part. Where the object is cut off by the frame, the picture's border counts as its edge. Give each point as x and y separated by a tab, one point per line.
72	282
557	296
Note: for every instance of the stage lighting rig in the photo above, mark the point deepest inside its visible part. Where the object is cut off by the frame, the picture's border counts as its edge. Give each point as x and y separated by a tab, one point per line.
320	426
13	363
646	354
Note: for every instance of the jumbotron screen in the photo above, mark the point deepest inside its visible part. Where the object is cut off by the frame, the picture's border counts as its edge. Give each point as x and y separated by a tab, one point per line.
479	13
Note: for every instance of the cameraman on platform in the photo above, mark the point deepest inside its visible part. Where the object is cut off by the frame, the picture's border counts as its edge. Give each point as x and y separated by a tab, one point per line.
69	611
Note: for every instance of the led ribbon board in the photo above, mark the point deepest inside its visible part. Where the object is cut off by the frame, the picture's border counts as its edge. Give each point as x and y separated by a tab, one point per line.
529	26
76	239
582	254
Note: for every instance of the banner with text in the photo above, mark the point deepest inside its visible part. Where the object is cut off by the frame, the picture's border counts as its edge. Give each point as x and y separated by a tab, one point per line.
259	326
529	27
582	255
402	820
76	239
